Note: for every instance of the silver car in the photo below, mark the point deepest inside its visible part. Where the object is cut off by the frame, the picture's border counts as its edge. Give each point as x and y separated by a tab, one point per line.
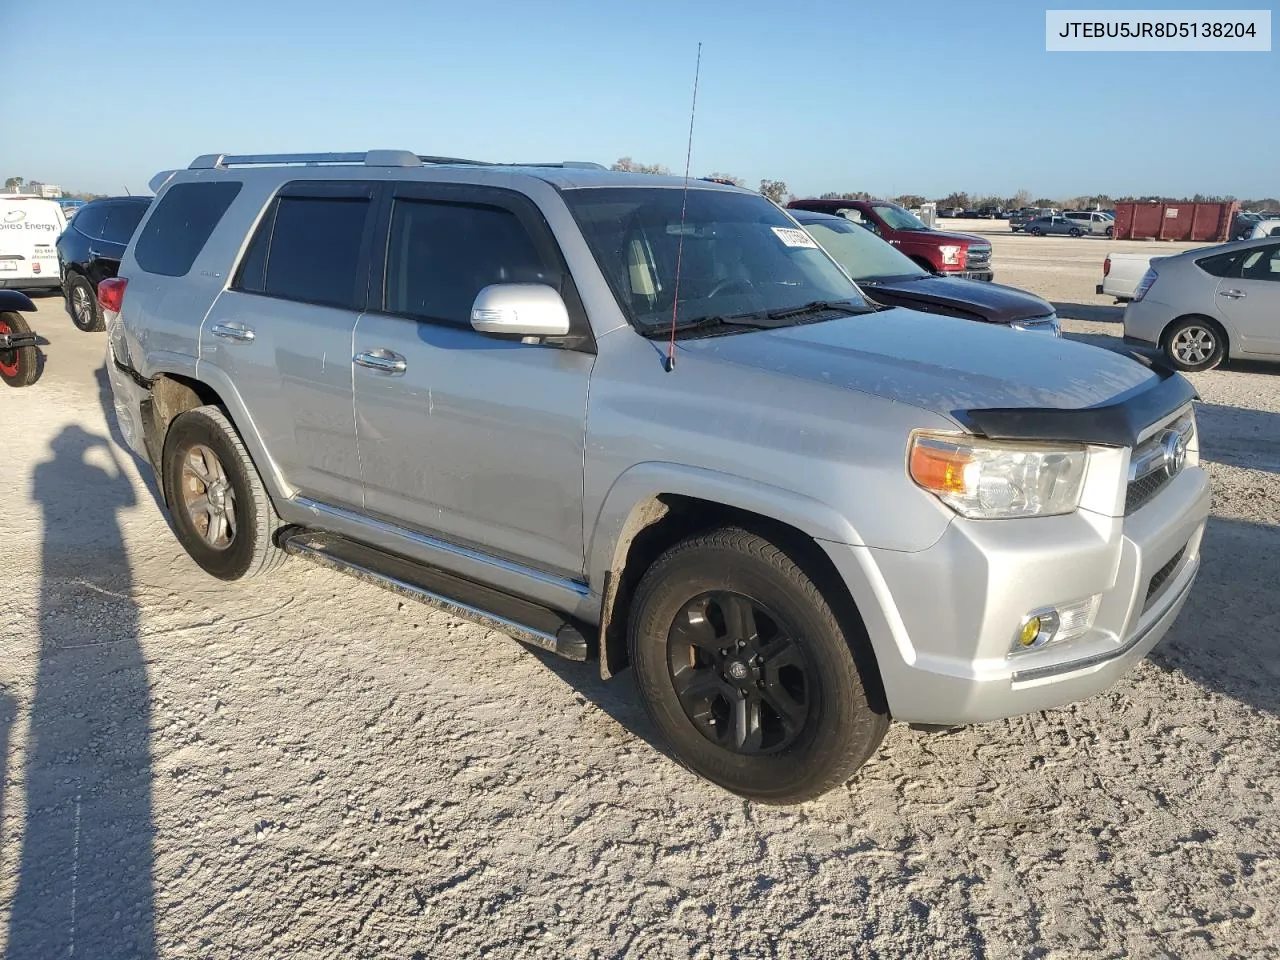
625	417
1209	305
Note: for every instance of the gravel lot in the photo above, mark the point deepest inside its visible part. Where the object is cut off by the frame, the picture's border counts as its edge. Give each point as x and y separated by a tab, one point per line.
310	768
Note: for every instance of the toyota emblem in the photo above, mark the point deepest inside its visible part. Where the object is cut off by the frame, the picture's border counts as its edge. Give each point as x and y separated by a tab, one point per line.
1175	452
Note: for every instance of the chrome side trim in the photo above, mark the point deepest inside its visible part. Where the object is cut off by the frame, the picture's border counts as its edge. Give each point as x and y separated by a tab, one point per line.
1071	666
459	609
431	543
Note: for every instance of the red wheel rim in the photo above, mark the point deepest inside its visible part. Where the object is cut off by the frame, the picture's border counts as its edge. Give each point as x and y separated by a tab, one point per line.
8	369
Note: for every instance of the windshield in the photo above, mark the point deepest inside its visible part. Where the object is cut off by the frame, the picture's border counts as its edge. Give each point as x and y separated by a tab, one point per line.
898	217
863	255
741	255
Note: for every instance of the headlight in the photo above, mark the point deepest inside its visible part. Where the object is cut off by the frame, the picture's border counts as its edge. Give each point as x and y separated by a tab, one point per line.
1045	324
993	480
951	253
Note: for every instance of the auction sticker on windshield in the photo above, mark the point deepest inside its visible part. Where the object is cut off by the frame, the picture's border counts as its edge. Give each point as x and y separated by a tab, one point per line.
794	237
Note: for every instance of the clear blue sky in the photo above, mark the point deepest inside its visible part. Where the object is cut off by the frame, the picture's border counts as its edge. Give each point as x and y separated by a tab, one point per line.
885	97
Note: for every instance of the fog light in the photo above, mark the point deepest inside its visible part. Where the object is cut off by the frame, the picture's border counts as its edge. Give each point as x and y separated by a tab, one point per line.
1069	621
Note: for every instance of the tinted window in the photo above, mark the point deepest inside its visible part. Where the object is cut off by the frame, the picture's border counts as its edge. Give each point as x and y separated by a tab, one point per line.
442	254
314	251
91	219
1223	265
181	224
1261	264
122	220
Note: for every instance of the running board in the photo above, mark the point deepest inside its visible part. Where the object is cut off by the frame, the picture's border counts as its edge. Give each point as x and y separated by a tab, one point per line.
518	618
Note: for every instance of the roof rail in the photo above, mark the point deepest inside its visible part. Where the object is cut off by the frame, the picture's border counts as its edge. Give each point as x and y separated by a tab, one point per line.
566	164
370	158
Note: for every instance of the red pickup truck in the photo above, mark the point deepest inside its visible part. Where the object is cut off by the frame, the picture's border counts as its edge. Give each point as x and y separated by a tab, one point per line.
949	254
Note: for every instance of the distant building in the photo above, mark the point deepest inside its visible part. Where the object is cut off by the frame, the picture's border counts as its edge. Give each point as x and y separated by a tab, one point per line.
34	188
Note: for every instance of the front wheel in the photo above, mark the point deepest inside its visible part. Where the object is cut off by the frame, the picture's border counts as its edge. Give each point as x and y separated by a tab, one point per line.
1074	231
20	367
1111	232
1193	345
221	512
749	674
1035	232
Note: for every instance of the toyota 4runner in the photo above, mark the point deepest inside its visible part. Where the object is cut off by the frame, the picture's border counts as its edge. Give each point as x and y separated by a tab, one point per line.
650	421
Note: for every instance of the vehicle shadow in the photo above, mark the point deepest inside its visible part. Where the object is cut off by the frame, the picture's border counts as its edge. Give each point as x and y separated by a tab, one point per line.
617	697
1095	312
84	885
1239	437
1224	639
8	714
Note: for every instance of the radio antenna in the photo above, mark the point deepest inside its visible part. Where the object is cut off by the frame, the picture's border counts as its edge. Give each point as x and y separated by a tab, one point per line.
684	206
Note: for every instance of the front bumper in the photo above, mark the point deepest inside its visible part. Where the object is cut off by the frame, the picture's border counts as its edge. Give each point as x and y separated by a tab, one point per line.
985	273
942	621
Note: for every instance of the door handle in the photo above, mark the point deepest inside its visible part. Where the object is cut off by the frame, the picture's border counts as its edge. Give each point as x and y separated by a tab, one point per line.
1232	294
383	361
232	331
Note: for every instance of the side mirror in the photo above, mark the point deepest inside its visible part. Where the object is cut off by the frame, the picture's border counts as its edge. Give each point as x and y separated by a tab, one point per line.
520	310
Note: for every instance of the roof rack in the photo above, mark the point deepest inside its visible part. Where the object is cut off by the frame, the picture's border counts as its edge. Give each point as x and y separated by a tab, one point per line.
370	158
566	164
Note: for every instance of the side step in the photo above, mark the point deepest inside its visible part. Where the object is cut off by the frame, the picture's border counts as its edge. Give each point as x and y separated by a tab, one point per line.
518	618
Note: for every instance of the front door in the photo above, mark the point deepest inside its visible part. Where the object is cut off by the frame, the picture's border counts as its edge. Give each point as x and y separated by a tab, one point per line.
475	440
1250	299
283	333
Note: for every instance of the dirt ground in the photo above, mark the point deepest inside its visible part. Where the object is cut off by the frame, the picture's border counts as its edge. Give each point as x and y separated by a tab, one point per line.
309	767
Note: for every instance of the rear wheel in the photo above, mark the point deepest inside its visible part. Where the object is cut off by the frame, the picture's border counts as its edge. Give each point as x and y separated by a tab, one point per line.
82	304
1111	232
1074	231
747	671
1194	344
1035	231
20	367
221	511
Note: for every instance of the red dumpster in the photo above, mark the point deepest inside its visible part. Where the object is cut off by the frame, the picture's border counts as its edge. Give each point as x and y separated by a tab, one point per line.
1158	220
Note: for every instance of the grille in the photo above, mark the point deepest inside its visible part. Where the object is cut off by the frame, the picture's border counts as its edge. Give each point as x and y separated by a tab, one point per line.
979	256
1143	489
1161	577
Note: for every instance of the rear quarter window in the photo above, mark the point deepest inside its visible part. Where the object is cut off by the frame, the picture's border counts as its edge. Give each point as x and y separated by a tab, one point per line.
180	226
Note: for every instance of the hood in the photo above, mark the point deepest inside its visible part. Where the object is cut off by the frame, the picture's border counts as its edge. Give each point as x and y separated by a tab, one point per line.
942	364
946	236
993	302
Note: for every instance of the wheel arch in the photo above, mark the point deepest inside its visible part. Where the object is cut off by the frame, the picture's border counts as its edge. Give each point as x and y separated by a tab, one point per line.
173	393
1217	324
651	508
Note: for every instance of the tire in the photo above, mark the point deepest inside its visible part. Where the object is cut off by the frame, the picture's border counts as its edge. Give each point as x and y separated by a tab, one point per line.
82	305
1193	344
1111	232
1074	231
820	674
1035	232
204	457
20	367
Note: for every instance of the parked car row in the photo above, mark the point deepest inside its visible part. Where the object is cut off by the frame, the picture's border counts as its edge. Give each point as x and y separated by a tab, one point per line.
795	507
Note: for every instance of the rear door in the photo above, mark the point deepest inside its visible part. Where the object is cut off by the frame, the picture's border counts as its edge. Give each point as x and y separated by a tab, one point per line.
1250	298
474	439
282	332
105	252
29	230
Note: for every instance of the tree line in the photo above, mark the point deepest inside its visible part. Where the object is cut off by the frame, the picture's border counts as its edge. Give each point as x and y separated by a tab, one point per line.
777	191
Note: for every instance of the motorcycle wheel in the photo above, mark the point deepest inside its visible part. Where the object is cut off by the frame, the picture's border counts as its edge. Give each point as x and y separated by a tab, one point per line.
20	367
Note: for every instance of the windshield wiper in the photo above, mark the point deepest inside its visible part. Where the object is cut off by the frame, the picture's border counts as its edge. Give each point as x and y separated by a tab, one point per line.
816	306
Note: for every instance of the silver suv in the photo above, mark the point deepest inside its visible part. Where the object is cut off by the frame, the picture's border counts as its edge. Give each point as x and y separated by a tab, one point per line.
620	416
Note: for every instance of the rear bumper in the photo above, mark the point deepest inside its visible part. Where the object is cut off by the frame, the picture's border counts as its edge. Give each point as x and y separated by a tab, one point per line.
942	621
53	282
127	398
